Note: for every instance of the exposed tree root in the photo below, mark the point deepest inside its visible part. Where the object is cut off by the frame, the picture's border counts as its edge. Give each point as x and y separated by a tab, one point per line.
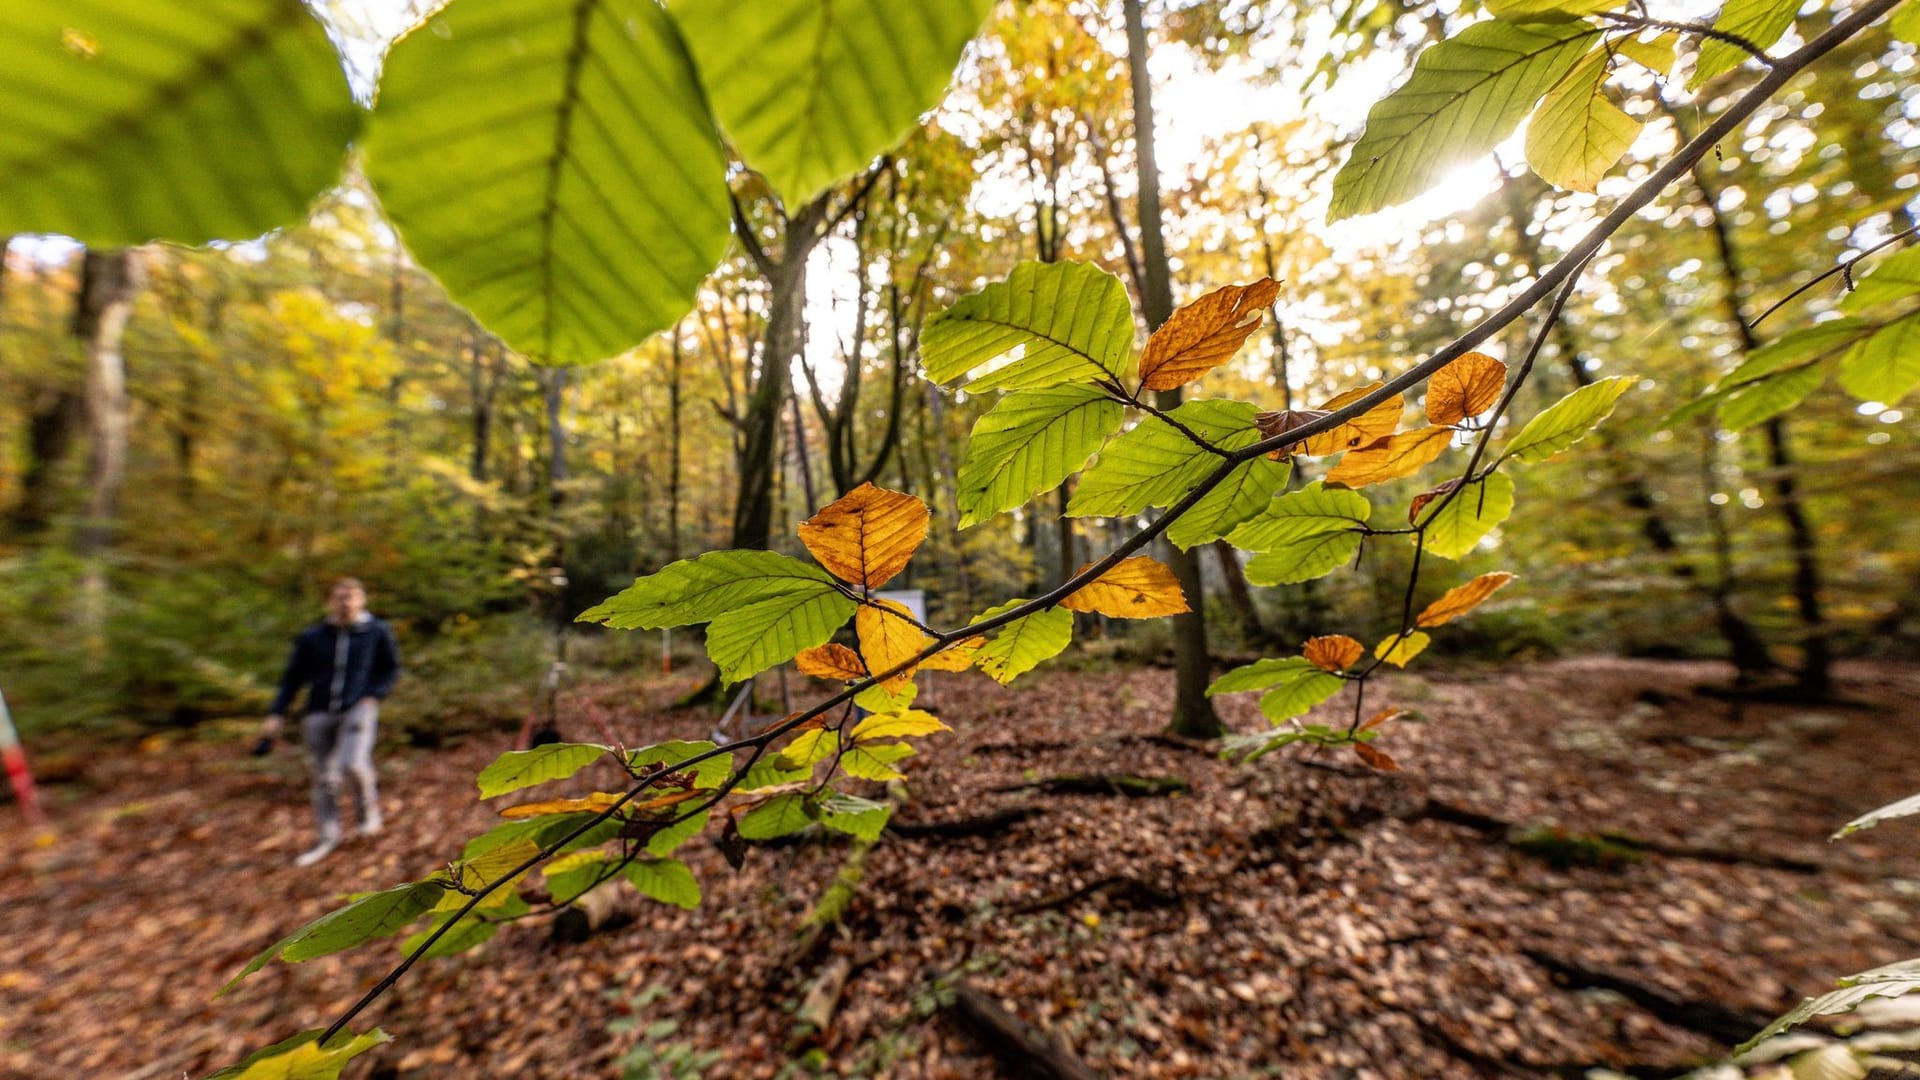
1024	1052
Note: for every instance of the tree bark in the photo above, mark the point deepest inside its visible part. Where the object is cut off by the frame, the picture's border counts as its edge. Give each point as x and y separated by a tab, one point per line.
108	282
1193	715
673	450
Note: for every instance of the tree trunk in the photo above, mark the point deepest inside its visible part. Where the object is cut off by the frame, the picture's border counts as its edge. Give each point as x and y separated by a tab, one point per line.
107	285
1193	714
673	451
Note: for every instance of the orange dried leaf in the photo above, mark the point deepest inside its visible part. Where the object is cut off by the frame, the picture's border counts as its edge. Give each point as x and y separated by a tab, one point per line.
957	657
1421	500
830	661
1382	717
1391	458
1461	599
1366	429
1136	588
593	803
1333	652
867	535
888	639
1204	334
1375	758
1467	387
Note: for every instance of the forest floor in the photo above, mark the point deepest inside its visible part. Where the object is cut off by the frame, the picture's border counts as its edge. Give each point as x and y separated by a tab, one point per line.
1299	917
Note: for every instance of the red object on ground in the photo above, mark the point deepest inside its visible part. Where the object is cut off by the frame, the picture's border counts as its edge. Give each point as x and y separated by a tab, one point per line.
18	774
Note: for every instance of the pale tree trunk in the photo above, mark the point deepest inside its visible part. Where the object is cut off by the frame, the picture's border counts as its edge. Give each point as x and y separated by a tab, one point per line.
108	282
673	450
1193	714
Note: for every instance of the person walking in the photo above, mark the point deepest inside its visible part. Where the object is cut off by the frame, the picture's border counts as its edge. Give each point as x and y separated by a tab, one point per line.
348	663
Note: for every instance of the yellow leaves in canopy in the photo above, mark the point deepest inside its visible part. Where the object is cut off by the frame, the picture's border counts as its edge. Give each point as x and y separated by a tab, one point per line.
1467	387
1391	458
831	661
1461	599
867	535
1136	588
888	638
1333	652
1400	648
1204	334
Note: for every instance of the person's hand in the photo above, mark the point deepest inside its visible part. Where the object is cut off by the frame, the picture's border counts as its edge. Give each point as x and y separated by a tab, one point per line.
268	732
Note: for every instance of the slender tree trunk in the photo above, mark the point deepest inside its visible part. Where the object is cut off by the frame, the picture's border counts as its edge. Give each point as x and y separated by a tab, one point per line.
1252	630
673	450
107	285
760	435
1193	714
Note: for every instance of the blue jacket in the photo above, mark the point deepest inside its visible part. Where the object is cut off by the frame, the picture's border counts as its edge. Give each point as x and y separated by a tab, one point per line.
340	665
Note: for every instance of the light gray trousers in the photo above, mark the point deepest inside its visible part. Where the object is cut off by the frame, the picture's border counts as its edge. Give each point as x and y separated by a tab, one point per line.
342	743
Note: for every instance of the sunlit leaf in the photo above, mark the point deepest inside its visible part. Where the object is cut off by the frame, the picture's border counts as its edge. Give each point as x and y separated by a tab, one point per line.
1400	649
1332	652
1465	95
303	1057
1465	388
1262	674
1204	334
1759	22
1905	23
811	747
1378	422
374	915
1657	55
1567	421
1461	524
1532	11
1391	458
810	92
555	167
868	535
1886	366
1134	588
518	769
1895	277
1298	695
1764	399
1579	133
1029	442
709	772
181	120
1022	644
1051	322
956	657
888	639
902	725
1461	599
831	661
1155	463
1303	535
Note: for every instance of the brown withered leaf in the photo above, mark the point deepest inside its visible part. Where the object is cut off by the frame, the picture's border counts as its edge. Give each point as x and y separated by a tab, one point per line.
1461	599
1391	458
1376	759
1281	422
1368	428
1333	652
1467	387
1421	500
1382	717
1204	334
867	535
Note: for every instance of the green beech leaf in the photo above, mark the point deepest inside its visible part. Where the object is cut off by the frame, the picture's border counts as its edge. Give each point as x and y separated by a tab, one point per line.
374	915
862	818
1579	133
1529	11
706	774
1766	398
666	880
1760	22
771	773
1312	556
1030	441
1022	644
1154	463
811	91
1894	980
781	815
1566	421
874	761
1886	366
182	120
672	836
1896	278
1906	807
474	929
1458	527
569	877
554	165
1465	95
1051	322
1793	348
1262	674
761	608
1303	534
518	769
1905	23
303	1057
1297	695
542	831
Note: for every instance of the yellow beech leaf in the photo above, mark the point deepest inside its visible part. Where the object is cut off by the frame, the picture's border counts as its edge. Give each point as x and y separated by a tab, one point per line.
957	657
867	535
1391	458
888	638
1333	652
1467	387
898	725
1400	648
811	747
1364	430
830	661
593	803
1461	599
1136	588
1375	758
1204	334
